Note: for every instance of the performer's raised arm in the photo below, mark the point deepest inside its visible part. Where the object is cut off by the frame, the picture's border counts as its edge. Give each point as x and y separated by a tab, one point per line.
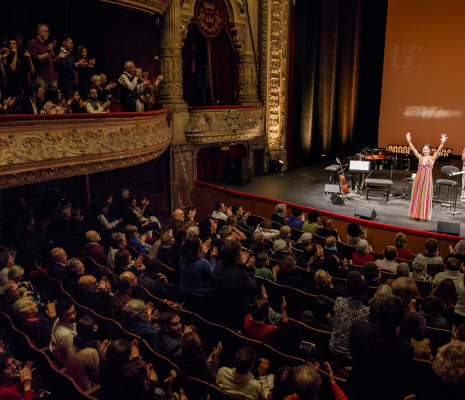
409	137
438	151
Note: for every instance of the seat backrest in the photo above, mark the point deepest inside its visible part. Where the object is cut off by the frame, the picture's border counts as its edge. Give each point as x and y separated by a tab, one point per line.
447	169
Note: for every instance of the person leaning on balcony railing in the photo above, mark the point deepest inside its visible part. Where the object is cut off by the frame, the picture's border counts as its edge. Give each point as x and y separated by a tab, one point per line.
94	105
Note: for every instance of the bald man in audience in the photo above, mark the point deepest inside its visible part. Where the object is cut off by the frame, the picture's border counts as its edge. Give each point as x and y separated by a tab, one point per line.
127	280
94	294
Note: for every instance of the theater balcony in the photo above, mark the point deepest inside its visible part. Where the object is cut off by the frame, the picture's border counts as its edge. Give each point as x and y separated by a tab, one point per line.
36	148
224	124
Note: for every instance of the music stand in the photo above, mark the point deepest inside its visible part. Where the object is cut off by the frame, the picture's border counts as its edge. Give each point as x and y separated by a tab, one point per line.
358	166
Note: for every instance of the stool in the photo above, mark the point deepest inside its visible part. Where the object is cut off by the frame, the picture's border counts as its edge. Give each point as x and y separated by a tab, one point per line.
333	169
379	184
451	186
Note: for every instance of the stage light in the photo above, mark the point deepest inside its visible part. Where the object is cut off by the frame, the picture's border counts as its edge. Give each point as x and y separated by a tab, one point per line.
275	166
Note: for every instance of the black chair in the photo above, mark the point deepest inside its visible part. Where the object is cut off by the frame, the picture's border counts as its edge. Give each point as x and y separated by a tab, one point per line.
451	185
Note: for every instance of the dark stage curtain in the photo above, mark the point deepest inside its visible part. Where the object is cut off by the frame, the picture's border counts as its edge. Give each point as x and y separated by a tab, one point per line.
209	69
339	47
211	162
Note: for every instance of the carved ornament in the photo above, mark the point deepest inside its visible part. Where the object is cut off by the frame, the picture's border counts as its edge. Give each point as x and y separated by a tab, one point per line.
149	6
41	151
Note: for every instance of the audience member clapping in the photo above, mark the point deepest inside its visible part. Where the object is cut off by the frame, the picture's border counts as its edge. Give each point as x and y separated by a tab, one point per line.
63	331
84	71
279	214
327	228
54	101
362	253
10	387
93	104
137	317
446	293
403	252
430	309
76	104
319	315
119	243
153	279
419	271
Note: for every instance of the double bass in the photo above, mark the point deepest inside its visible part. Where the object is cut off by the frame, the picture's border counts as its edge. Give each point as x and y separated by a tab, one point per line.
342	179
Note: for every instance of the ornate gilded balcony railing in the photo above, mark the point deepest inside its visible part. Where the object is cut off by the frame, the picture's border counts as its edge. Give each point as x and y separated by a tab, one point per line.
43	147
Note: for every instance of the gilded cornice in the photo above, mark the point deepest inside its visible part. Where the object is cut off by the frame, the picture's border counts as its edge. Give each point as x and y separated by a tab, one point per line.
224	125
49	149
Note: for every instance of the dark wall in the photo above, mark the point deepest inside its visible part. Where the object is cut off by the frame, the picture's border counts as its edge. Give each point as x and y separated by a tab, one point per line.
111	34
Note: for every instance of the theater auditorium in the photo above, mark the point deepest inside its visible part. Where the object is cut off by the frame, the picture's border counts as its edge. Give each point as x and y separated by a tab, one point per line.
232	199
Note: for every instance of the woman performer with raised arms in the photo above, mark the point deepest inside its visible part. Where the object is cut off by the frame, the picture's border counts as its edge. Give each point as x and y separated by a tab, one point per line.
421	202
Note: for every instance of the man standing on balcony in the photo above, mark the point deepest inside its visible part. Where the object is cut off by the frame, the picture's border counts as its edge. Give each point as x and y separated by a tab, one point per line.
66	67
42	55
129	83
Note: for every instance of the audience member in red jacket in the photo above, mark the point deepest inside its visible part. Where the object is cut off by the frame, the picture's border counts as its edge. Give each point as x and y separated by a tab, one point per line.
9	389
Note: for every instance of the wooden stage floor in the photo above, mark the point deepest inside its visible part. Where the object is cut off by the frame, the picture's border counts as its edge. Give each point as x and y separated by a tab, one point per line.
305	186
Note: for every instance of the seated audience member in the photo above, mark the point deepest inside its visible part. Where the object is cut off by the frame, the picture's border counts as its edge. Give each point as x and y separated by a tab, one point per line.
261	267
377	352
242	216
401	246
117	355
94	106
7	261
255	326
381	293
430	256
388	263
221	211
285	234
336	267
347	311
75	104
239	379
108	224
362	253
287	275
197	274
419	271
119	243
107	93
353	233
126	283
10	386
168	340
297	219
452	272
192	359
279	214
140	216
448	380
229	230
413	325
371	274
63	331
458	251
331	248
266	228
282	250
311	225
304	239
93	249
10	292
140	381
36	325
94	294
136	241
57	268
74	270
83	359
309	254
208	231
54	102
260	243
136	319
319	316
307	381
178	220
446	293
164	254
430	309
282	384
403	270
327	228
324	285
153	280
31	102
234	284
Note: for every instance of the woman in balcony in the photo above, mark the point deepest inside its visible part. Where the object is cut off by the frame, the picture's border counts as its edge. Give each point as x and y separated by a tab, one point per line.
55	104
17	66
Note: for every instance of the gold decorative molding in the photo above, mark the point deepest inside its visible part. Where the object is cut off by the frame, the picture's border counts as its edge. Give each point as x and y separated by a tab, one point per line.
49	149
149	6
208	126
275	53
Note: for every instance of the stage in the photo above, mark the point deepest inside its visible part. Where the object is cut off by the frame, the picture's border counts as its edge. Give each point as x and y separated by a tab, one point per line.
306	185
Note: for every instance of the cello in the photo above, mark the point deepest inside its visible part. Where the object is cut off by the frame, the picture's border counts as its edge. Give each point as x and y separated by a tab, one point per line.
342	179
